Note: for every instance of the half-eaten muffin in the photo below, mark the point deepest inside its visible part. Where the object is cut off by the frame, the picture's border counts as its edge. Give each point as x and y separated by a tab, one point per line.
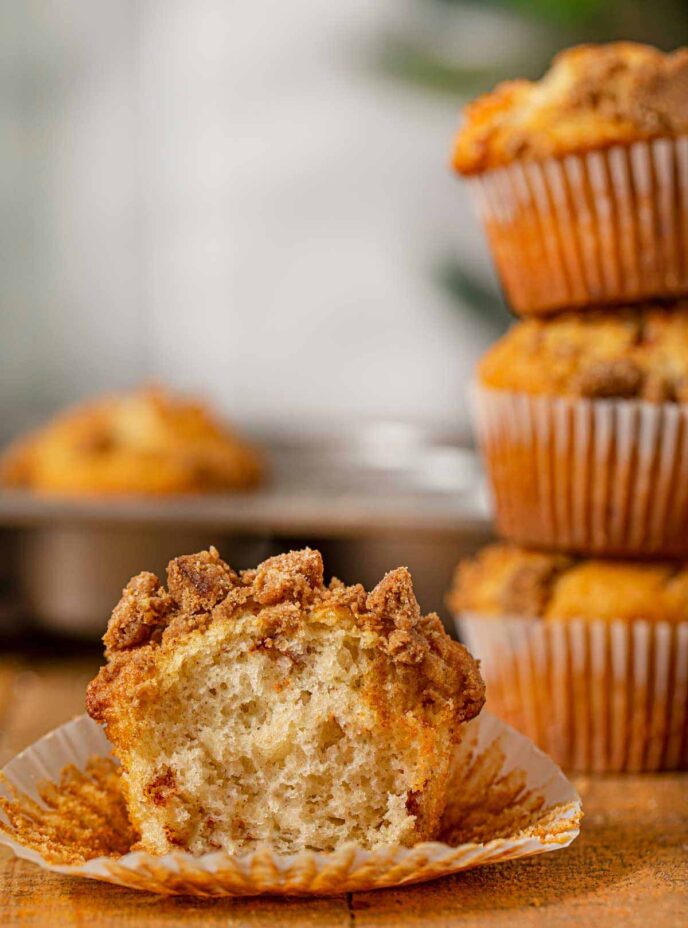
268	708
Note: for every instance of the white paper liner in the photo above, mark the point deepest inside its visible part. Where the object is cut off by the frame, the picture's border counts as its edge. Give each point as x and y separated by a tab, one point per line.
604	226
488	743
595	476
596	696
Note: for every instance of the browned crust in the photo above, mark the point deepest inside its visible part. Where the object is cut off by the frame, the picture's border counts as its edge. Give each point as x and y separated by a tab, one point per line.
592	97
282	592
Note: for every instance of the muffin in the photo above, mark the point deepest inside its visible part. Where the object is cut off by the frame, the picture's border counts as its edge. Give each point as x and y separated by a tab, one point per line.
581	178
587	657
583	423
145	442
270	709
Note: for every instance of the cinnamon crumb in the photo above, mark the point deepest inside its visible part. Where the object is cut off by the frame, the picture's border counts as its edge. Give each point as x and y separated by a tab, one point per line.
394	599
294	576
161	787
617	378
199	581
142	611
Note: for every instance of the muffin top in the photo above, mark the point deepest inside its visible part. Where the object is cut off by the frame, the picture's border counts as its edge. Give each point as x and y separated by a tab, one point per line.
625	353
148	441
508	580
593	96
283	595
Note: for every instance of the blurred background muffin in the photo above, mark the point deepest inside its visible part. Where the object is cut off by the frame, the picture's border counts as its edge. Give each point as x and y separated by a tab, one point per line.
148	441
588	657
581	177
581	409
583	420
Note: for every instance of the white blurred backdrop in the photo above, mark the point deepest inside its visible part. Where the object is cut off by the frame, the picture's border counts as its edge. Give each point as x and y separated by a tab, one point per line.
230	198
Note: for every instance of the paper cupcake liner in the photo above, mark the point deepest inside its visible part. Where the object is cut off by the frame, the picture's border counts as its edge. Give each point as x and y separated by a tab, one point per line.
604	226
506	800
597	696
593	476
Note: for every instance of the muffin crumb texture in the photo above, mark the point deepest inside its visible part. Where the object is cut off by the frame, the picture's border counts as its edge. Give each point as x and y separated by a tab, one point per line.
592	97
265	707
624	353
506	580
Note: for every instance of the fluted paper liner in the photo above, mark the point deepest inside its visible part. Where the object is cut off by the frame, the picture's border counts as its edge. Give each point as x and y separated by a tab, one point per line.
589	475
60	806
597	696
601	227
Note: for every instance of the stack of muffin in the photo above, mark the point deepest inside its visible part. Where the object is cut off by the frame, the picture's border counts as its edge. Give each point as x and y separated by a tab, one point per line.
581	615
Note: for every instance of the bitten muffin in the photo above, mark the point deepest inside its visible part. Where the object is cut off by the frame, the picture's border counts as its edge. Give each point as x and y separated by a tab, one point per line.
269	708
583	424
577	177
586	656
147	442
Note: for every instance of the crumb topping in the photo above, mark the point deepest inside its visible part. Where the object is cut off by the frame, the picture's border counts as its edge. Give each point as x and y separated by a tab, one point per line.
142	612
394	600
293	577
281	593
593	96
198	582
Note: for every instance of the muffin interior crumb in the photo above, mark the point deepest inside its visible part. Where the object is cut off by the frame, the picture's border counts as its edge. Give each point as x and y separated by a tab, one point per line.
256	744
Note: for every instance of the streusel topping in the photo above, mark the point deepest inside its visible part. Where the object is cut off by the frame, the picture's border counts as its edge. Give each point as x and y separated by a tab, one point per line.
281	593
593	96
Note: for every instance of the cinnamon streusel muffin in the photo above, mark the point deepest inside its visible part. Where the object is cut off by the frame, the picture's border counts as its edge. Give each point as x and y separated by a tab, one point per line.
588	657
147	442
268	708
580	177
583	422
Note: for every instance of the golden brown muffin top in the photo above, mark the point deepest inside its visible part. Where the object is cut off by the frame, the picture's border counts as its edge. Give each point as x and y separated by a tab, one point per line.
148	441
592	97
151	622
507	580
623	353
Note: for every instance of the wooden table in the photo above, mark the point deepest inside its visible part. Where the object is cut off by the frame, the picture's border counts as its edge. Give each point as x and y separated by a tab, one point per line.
628	868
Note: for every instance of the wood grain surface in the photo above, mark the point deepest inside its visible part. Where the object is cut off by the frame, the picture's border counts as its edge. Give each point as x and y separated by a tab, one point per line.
628	868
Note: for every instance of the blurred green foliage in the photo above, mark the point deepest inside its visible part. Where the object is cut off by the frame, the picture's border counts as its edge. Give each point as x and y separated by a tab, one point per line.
412	55
467	289
652	21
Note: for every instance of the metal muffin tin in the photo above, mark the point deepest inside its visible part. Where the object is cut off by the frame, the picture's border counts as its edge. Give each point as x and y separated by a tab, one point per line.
384	495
